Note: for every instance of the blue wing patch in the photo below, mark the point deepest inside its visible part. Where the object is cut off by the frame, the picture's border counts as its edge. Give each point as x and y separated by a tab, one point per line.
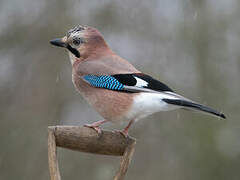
104	81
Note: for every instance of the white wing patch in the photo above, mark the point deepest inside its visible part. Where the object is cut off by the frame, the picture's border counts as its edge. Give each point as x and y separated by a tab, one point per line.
140	82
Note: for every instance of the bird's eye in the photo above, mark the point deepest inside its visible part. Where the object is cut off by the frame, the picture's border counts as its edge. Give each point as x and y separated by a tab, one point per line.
76	42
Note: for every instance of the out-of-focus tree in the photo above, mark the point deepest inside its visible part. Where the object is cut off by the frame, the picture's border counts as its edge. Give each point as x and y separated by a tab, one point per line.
191	45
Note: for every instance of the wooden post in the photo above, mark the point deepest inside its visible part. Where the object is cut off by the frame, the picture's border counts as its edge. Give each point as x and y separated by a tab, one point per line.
52	156
125	161
87	140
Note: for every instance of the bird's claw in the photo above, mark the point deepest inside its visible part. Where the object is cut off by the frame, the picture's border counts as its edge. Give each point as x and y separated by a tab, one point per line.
96	128
123	132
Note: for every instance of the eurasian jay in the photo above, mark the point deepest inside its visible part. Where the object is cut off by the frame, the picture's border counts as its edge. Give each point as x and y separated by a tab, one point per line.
113	86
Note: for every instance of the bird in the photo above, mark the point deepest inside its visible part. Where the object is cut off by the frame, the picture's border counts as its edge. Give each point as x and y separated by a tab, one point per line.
115	88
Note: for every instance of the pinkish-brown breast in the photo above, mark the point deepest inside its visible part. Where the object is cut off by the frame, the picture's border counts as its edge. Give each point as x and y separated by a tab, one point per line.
112	105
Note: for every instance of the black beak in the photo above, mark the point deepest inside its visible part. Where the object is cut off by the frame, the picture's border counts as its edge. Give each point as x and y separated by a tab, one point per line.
58	42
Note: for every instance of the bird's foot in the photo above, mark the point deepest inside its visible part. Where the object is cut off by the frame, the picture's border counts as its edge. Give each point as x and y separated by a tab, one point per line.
123	132
96	128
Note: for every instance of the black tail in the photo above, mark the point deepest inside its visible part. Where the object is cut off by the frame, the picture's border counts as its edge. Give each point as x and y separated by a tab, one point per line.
193	105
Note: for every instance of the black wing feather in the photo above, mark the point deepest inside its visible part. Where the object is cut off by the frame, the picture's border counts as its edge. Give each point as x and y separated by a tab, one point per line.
126	79
153	84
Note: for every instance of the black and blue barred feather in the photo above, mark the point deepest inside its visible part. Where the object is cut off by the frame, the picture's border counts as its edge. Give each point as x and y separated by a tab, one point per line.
104	81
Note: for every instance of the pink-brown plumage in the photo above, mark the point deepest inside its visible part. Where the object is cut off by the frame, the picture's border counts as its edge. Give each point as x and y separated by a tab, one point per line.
91	56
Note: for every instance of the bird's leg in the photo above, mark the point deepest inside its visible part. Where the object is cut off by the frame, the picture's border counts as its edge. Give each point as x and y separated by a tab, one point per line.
96	125
124	132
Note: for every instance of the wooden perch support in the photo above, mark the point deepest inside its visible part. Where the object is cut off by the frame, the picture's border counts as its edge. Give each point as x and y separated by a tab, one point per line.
87	140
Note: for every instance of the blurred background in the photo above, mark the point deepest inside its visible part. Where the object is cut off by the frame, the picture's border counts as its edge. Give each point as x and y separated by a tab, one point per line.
193	46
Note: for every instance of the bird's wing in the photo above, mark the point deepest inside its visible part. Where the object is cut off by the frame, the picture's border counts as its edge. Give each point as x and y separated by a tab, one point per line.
136	82
107	65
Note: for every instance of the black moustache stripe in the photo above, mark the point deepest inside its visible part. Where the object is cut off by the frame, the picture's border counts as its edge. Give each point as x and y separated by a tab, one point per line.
73	50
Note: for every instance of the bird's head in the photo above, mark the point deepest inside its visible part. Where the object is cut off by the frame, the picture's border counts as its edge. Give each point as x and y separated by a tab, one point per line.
82	42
